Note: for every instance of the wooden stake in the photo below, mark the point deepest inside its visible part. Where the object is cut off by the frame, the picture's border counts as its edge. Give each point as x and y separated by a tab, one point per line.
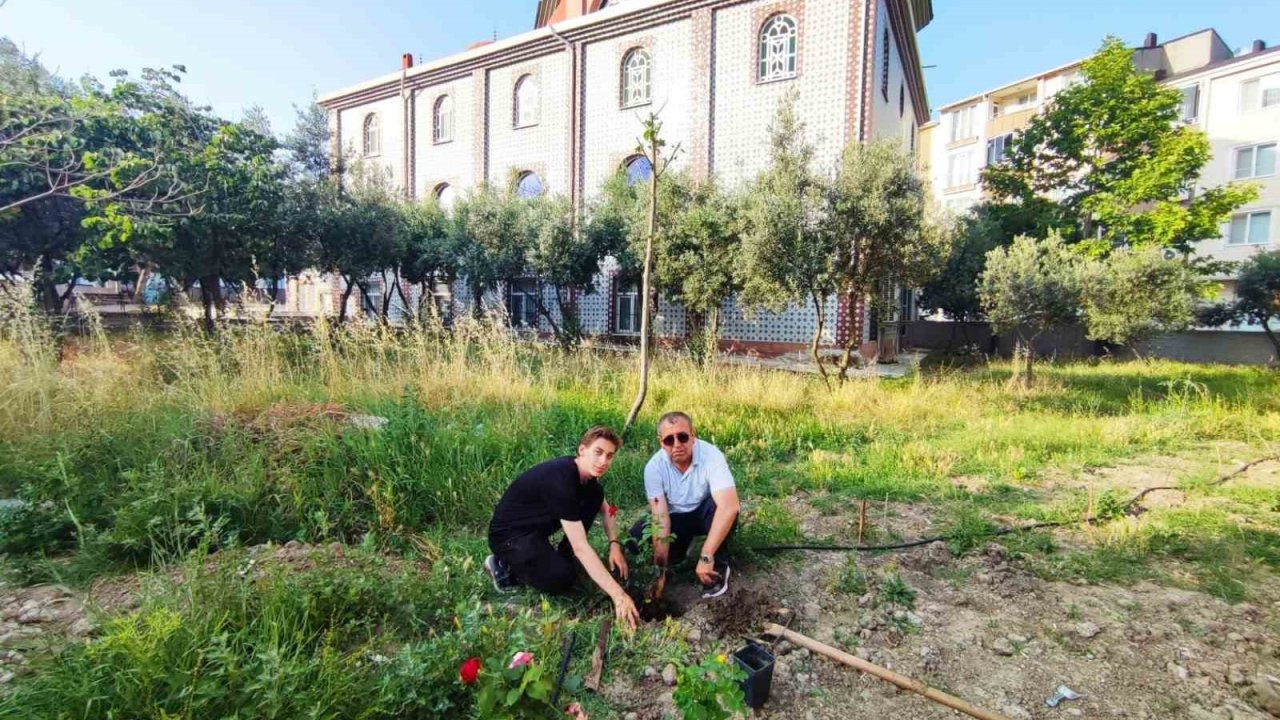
902	681
862	521
597	659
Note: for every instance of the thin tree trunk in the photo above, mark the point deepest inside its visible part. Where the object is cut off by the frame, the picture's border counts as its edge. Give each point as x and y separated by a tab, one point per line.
846	358
208	294
66	294
387	296
644	293
821	313
274	288
346	296
1271	335
45	287
546	313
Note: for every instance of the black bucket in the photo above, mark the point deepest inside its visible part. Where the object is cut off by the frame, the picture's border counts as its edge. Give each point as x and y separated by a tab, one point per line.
758	664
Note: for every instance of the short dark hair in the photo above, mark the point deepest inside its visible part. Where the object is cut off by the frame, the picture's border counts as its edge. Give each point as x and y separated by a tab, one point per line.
674	416
600	432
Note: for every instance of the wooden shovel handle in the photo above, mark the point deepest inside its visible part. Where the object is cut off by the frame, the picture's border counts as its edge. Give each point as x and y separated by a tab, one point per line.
902	681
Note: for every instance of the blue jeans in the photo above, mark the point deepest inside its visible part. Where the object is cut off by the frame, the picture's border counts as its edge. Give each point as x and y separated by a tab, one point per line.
686	527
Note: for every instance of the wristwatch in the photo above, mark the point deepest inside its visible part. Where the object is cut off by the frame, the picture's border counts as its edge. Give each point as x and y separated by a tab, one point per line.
706	559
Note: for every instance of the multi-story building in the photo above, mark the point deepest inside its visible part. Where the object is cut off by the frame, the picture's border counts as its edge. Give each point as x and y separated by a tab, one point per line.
558	110
1233	96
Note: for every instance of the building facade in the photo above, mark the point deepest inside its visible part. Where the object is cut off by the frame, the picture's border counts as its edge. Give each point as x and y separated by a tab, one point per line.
1232	95
559	109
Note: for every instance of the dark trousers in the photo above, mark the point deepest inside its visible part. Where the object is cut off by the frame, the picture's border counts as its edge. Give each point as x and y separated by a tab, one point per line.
534	562
686	527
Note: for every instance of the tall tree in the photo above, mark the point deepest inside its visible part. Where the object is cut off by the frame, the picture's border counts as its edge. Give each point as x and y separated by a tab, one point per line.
1030	287
308	142
362	231
788	255
877	214
493	236
565	258
1108	164
431	252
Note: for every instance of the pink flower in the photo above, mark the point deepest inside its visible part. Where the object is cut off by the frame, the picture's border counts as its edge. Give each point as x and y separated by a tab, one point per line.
576	712
469	670
520	659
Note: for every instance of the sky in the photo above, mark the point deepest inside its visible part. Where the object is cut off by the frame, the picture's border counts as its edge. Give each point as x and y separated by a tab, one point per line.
276	53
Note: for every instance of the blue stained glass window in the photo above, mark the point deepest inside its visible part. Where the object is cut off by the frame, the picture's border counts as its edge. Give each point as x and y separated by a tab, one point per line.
529	186
639	170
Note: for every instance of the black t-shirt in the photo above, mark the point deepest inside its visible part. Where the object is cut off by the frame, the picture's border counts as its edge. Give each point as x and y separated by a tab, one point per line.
541	497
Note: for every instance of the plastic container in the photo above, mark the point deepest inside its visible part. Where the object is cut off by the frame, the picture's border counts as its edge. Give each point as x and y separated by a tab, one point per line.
758	664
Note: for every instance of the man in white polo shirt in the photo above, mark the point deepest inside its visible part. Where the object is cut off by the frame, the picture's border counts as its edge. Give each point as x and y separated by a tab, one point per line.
691	494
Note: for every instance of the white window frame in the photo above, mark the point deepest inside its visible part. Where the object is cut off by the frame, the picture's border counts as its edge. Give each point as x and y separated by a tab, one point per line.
637	78
1001	142
962	120
1247	219
967	174
778	49
1195	108
527	99
442	117
1261	87
631	294
371	135
1253	169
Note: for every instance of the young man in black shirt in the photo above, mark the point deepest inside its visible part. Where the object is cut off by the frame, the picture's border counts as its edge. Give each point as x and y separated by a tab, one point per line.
560	494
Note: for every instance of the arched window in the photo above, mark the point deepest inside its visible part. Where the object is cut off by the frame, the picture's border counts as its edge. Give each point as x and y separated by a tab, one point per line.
445	196
778	48
639	170
372	135
442	118
527	103
637	74
529	185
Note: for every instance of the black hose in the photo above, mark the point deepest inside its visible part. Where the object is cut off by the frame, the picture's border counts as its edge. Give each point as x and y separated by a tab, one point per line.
566	654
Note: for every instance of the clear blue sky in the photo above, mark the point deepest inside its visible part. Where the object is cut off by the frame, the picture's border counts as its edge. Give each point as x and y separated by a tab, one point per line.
273	53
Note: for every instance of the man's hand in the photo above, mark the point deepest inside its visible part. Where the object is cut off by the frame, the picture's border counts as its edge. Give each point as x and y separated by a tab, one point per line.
617	560
707	571
660	553
625	610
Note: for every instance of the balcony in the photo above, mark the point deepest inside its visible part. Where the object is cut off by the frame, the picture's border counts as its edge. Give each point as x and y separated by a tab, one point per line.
1010	122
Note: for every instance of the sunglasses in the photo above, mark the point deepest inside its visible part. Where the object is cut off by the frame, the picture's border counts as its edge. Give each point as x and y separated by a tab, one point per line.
671	439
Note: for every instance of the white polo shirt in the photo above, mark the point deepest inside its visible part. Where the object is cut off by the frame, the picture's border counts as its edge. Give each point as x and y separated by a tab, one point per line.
708	473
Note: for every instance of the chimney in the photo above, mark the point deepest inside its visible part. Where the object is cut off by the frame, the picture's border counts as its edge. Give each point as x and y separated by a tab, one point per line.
574	8
406	61
1259	46
1150	42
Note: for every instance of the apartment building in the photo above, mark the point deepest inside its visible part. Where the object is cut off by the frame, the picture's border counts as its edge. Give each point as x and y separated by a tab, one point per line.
558	110
1232	95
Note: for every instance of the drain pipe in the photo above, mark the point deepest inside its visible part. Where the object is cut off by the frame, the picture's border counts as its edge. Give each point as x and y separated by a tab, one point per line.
573	120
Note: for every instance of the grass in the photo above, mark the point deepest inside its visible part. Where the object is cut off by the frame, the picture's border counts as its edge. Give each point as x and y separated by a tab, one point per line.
148	451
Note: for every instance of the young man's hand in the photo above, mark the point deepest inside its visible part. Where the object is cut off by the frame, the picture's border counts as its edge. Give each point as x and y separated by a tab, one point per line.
617	561
707	571
625	610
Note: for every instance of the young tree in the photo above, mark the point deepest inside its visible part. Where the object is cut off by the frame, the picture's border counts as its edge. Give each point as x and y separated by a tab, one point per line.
1135	295
1108	163
308	143
1257	298
565	258
493	237
1030	287
787	254
362	231
652	146
877	214
431	252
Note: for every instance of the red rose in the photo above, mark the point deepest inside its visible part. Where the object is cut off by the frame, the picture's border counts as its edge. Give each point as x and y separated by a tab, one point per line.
469	670
613	510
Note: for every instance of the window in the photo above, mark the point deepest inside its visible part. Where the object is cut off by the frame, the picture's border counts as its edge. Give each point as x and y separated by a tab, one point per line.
1190	103
522	303
1255	161
884	65
529	185
637	75
1260	93
527	103
639	170
442	131
626	306
445	196
1015	104
778	44
998	147
962	123
1250	228
959	170
372	135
